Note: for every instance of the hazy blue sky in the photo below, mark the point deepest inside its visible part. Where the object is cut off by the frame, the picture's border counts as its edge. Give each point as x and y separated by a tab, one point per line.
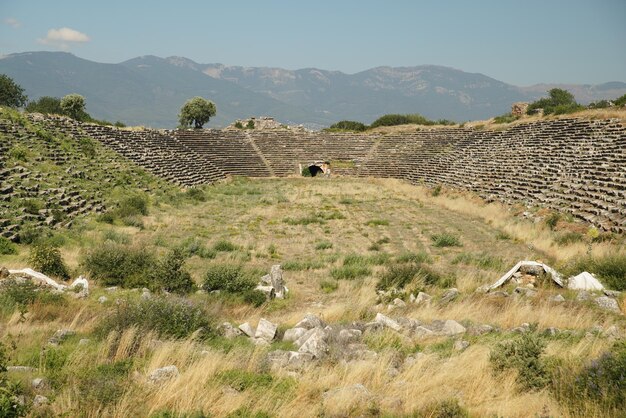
520	42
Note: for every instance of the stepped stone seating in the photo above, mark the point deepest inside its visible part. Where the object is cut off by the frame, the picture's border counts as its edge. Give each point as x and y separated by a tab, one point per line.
573	165
157	151
232	151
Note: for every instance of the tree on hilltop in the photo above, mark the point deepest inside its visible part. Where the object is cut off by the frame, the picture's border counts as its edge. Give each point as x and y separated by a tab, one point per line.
559	101
45	104
11	93
196	111
73	105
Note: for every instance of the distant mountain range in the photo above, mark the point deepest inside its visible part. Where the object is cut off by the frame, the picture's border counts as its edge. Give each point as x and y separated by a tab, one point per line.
150	90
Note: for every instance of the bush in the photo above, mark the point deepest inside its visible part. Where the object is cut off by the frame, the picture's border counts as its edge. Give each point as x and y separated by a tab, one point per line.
169	275
601	104
167	316
196	194
329	286
620	101
306	172
18	153
224	246
323	245
46	105
445	240
522	354
250	124
348	125
21	295
409	257
254	297
32	206
230	278
552	220
47	259
133	206
119	265
397	276
7	247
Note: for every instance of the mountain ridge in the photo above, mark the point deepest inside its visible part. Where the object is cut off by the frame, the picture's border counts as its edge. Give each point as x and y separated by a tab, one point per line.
149	90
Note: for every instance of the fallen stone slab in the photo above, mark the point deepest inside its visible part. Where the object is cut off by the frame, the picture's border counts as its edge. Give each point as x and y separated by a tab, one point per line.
293	334
315	344
265	330
608	304
247	329
311	321
39	278
388	322
451	327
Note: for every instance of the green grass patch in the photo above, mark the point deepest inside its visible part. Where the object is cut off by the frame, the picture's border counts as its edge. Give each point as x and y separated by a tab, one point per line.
377	222
446	240
350	272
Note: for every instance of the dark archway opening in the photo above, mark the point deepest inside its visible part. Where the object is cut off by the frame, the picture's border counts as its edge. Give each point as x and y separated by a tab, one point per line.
315	170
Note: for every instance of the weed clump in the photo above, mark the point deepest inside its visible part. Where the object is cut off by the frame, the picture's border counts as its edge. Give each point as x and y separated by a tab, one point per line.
167	316
446	240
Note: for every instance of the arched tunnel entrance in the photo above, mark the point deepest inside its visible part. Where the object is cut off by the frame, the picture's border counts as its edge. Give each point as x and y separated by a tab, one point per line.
315	170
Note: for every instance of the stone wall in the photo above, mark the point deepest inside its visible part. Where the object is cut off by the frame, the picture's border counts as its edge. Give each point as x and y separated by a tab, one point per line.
574	165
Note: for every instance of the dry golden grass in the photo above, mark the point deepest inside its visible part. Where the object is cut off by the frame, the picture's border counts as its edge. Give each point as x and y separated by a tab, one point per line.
255	222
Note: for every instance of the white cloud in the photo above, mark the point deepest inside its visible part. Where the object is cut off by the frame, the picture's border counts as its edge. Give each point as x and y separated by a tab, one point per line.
13	22
63	38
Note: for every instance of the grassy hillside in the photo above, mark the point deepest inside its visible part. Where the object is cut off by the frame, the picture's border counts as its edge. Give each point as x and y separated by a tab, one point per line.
50	179
339	241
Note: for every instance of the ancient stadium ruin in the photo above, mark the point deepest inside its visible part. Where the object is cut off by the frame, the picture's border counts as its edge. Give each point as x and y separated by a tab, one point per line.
570	165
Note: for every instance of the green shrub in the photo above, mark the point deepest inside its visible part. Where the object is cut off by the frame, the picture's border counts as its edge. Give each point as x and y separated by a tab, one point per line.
119	265
230	278
397	276
196	194
348	125
7	247
506	118
133	205
415	118
600	104
47	259
432	277
329	286
620	101
193	246
168	274
254	297
306	172
436	191
250	124
409	257
446	240
167	316
323	245
300	265
522	354
569	237
224	246
238	125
